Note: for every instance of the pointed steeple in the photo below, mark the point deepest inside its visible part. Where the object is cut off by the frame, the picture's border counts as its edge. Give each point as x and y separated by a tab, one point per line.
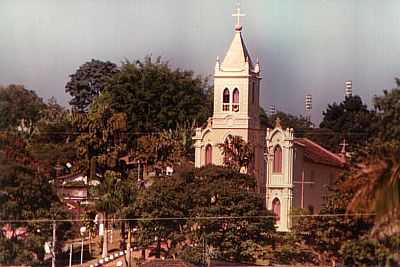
237	55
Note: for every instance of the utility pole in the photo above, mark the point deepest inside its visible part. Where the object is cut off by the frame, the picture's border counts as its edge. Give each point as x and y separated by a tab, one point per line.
53	247
70	255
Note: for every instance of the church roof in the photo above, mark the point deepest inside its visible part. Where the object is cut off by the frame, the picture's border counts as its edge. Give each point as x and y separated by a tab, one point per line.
317	154
237	54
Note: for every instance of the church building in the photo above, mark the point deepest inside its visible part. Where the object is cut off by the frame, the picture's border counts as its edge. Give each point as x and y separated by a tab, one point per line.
290	172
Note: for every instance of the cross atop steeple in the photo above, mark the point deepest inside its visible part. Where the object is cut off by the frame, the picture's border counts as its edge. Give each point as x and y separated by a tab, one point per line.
238	27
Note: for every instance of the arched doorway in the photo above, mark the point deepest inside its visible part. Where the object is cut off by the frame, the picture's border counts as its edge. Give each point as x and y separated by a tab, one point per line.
276	208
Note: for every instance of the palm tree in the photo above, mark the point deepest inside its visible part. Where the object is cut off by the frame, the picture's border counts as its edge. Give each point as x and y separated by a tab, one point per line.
108	202
378	173
376	183
237	153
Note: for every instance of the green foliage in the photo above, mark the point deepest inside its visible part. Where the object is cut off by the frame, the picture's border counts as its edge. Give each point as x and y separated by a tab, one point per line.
207	192
237	153
53	139
88	82
364	252
102	134
377	171
300	124
19	107
169	148
388	111
155	97
108	193
194	255
349	119
24	196
324	235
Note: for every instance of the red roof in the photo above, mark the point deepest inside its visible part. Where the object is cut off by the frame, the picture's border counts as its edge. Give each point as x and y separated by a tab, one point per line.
317	154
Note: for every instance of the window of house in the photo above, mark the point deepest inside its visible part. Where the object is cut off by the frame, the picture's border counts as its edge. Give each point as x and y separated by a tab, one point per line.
277	164
235	100
276	208
225	100
208	155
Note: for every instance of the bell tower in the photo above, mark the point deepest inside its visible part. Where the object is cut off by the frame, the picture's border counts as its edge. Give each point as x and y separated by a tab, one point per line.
236	108
236	86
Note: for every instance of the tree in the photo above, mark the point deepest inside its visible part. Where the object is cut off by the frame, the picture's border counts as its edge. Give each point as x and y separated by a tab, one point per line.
370	252
377	169
102	137
350	120
324	235
88	82
155	97
27	195
169	148
245	225
300	124
109	201
53	140
19	107
203	195
238	154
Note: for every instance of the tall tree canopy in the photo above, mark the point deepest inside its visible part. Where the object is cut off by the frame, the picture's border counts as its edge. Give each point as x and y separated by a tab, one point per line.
19	105
300	124
102	134
207	192
378	167
155	97
26	194
350	120
88	82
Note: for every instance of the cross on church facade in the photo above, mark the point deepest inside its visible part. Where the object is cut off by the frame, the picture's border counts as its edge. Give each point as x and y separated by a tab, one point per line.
344	145
238	15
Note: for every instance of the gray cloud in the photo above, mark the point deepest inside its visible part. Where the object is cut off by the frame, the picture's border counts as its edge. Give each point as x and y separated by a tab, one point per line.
306	46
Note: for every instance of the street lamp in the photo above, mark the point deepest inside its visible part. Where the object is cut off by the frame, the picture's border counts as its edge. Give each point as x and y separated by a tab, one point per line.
82	230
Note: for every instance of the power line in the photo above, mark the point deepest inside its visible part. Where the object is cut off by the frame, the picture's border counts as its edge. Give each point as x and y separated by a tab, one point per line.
298	130
191	218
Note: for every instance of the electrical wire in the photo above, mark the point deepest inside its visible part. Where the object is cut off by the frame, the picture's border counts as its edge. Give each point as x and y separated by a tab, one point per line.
190	218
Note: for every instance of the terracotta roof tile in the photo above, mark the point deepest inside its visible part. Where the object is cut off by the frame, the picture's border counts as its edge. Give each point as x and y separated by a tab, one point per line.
317	154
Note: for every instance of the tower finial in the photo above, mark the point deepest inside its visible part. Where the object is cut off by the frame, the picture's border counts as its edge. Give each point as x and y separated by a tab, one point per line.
238	27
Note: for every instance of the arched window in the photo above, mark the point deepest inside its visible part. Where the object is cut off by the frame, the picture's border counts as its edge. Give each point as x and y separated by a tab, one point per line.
235	100
276	208
277	159
208	155
225	100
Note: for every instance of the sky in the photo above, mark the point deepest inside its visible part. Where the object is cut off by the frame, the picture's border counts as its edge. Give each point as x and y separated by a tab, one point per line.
304	46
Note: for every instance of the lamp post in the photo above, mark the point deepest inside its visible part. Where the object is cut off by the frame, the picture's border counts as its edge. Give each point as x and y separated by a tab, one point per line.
82	230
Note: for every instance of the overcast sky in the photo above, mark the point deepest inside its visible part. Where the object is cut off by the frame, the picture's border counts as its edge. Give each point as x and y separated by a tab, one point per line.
304	46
